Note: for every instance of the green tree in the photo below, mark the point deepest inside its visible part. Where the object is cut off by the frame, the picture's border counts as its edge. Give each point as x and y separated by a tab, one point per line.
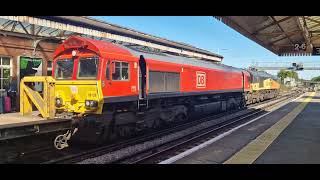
293	74
284	74
316	78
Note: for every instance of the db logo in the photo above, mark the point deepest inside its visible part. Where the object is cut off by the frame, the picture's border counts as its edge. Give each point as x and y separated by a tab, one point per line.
201	79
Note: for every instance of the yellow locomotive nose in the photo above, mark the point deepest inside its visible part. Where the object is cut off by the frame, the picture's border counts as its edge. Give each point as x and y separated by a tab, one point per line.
79	96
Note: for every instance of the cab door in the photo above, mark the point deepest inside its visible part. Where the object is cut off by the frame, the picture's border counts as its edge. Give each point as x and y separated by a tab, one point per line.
106	79
142	77
121	80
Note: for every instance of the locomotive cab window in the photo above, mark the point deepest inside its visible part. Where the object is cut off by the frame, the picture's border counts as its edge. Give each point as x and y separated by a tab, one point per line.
88	68
120	71
64	69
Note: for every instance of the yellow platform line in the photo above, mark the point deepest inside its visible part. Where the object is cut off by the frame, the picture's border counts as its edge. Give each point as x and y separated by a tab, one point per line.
249	153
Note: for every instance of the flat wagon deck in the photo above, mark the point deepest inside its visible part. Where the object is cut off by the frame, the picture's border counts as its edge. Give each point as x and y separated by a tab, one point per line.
14	125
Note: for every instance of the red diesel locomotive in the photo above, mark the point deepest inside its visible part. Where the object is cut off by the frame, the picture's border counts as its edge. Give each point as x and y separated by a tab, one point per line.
139	89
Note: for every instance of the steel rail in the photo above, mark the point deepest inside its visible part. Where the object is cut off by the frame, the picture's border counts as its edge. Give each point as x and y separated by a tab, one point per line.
73	158
194	138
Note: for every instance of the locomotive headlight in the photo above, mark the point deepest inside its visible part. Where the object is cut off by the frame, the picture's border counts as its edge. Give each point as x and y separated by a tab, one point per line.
58	102
74	53
91	103
87	103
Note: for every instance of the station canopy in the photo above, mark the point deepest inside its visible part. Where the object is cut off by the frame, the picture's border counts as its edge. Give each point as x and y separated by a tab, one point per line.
282	35
59	28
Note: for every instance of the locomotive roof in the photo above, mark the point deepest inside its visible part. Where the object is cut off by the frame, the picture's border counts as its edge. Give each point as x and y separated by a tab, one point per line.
179	59
262	74
101	47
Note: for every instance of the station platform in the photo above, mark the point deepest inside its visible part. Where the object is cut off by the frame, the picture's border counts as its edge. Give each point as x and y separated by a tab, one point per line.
13	119
288	135
14	125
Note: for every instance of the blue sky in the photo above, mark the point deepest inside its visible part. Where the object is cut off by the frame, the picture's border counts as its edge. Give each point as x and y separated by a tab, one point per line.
208	33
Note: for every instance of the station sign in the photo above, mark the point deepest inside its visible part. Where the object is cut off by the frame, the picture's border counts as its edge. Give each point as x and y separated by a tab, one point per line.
300	47
316	51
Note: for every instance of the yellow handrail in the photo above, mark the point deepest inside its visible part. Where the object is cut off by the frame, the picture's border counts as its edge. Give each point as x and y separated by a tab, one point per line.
28	96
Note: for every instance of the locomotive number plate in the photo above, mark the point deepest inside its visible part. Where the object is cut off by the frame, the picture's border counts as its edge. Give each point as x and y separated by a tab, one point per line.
201	79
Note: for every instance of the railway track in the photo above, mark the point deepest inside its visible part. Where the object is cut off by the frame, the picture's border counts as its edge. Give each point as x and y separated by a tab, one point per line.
155	147
163	152
168	150
75	154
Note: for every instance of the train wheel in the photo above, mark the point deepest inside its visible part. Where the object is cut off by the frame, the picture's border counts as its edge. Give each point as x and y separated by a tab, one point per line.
242	103
258	98
105	135
156	123
182	117
125	131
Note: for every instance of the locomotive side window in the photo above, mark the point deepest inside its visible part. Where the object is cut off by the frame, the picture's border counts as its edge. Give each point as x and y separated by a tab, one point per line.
120	71
64	69
117	71
88	67
125	71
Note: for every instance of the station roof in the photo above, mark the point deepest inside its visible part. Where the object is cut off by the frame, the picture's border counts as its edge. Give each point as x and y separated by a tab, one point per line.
61	27
282	35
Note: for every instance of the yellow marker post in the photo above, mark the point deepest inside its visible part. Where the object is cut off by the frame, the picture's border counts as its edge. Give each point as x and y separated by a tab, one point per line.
254	149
